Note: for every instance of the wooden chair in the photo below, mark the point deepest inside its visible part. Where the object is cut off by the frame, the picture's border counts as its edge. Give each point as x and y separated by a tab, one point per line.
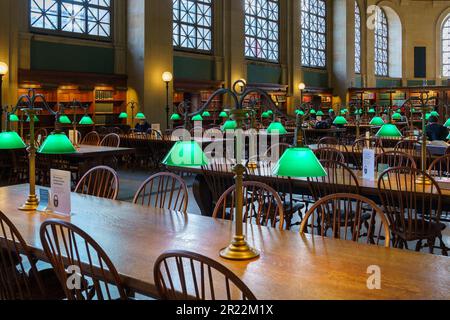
413	209
219	177
163	190
328	142
182	275
284	186
340	216
101	182
16	282
339	179
329	154
66	245
261	205
410	147
91	139
111	140
363	143
440	167
392	159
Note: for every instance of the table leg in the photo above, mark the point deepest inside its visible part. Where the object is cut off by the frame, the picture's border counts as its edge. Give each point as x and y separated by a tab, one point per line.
202	195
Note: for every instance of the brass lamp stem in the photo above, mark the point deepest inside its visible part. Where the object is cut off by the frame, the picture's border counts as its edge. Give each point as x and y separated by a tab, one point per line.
239	249
422	179
32	202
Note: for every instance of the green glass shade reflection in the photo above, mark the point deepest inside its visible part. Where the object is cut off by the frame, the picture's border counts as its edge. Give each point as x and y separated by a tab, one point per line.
377	122
223	114
389	131
141	116
57	143
63	119
276	128
340	120
86	121
299	163
13	118
36	119
206	114
447	124
123	115
229	125
197	118
11	140
186	154
175	117
396	116
320	113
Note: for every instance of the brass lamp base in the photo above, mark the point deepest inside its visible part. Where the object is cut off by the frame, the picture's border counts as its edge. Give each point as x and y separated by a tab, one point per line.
239	250
31	204
252	165
423	180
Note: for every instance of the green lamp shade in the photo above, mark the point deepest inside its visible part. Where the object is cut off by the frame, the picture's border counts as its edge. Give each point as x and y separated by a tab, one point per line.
140	116
229	125
13	118
11	140
270	112
340	121
389	131
320	113
427	116
276	128
123	115
397	116
223	114
57	143
265	115
434	114
447	124
371	111
413	109
206	114
36	119
299	163
197	118
86	121
64	119
175	117
343	112
313	111
377	122
299	112
448	137
186	154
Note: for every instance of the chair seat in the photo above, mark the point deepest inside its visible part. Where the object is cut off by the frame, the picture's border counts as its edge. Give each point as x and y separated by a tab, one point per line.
291	206
429	230
52	286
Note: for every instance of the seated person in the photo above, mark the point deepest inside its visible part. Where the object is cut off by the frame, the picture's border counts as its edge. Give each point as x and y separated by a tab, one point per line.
142	126
436	131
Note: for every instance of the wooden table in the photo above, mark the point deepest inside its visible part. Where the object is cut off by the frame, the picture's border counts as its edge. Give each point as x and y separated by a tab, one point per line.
99	152
290	267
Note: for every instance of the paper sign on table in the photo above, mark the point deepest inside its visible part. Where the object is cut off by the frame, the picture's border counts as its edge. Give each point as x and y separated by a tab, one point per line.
369	164
60	201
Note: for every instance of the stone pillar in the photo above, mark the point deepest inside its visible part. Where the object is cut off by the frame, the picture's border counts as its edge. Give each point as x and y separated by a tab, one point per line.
150	54
293	55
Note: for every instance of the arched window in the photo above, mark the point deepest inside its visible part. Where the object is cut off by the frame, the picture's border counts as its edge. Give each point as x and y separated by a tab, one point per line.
192	25
262	29
446	48
381	44
76	17
357	38
314	33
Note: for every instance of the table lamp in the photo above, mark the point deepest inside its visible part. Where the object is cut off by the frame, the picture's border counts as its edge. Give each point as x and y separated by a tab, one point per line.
140	116
377	121
276	128
340	121
229	125
175	117
223	114
63	119
197	117
123	115
86	121
186	154
206	114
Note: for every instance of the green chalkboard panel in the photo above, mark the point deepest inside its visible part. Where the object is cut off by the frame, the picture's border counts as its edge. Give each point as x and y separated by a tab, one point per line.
258	73
193	68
